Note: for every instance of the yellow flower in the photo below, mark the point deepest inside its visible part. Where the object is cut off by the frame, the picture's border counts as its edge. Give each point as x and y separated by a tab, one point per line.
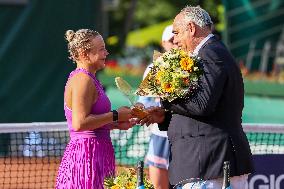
129	185
183	53
186	64
115	187
168	87
159	76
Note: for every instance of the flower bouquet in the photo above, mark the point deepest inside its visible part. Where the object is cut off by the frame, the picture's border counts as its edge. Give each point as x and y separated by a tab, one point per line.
175	74
127	179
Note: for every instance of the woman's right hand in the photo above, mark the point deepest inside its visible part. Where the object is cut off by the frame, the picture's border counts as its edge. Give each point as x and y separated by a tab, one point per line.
124	113
138	111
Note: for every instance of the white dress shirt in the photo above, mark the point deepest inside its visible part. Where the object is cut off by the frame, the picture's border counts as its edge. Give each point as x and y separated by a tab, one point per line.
198	47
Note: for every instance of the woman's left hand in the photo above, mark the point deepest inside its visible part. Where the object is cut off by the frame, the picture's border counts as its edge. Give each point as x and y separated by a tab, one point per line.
125	125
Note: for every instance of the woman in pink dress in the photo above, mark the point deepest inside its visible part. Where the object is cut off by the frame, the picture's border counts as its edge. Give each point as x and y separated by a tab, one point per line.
89	156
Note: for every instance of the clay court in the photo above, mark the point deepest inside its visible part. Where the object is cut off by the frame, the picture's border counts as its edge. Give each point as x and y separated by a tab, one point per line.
31	173
28	173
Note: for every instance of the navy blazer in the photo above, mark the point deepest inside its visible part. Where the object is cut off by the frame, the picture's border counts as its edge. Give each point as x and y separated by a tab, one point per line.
205	130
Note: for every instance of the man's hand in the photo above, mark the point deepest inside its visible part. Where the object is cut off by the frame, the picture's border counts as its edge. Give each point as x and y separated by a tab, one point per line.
155	115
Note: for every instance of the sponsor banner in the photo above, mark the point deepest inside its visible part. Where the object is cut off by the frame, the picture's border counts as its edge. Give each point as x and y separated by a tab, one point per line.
269	172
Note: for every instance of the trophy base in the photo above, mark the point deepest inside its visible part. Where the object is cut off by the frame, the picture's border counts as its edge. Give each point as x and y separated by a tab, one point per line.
139	112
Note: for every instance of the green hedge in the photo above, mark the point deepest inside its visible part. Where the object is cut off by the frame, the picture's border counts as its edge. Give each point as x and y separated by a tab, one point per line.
264	88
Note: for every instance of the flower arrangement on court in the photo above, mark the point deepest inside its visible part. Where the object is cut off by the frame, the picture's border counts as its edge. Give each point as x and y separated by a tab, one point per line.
127	179
175	74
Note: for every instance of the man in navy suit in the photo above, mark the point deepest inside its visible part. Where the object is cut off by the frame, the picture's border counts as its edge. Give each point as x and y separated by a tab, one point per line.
205	130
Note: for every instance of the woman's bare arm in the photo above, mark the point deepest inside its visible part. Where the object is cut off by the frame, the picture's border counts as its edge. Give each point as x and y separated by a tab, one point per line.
84	95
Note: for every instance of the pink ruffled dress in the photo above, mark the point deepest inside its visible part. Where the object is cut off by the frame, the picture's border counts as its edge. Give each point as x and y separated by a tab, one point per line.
89	156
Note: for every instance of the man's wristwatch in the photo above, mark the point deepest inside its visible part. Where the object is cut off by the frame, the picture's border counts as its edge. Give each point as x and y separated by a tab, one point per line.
114	115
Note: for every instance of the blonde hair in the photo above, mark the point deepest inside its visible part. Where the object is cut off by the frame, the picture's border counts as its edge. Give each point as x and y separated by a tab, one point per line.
79	41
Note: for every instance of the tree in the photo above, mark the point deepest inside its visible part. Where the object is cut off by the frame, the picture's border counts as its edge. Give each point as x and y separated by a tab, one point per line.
134	14
128	22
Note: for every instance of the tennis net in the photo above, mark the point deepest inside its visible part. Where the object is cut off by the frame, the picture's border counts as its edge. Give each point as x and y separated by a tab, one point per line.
30	153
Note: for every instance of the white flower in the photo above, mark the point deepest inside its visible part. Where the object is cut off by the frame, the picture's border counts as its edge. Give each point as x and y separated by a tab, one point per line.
172	56
115	180
165	64
195	68
168	53
184	74
178	70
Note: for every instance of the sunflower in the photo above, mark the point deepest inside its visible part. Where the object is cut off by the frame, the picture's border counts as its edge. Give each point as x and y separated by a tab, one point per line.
186	63
168	87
